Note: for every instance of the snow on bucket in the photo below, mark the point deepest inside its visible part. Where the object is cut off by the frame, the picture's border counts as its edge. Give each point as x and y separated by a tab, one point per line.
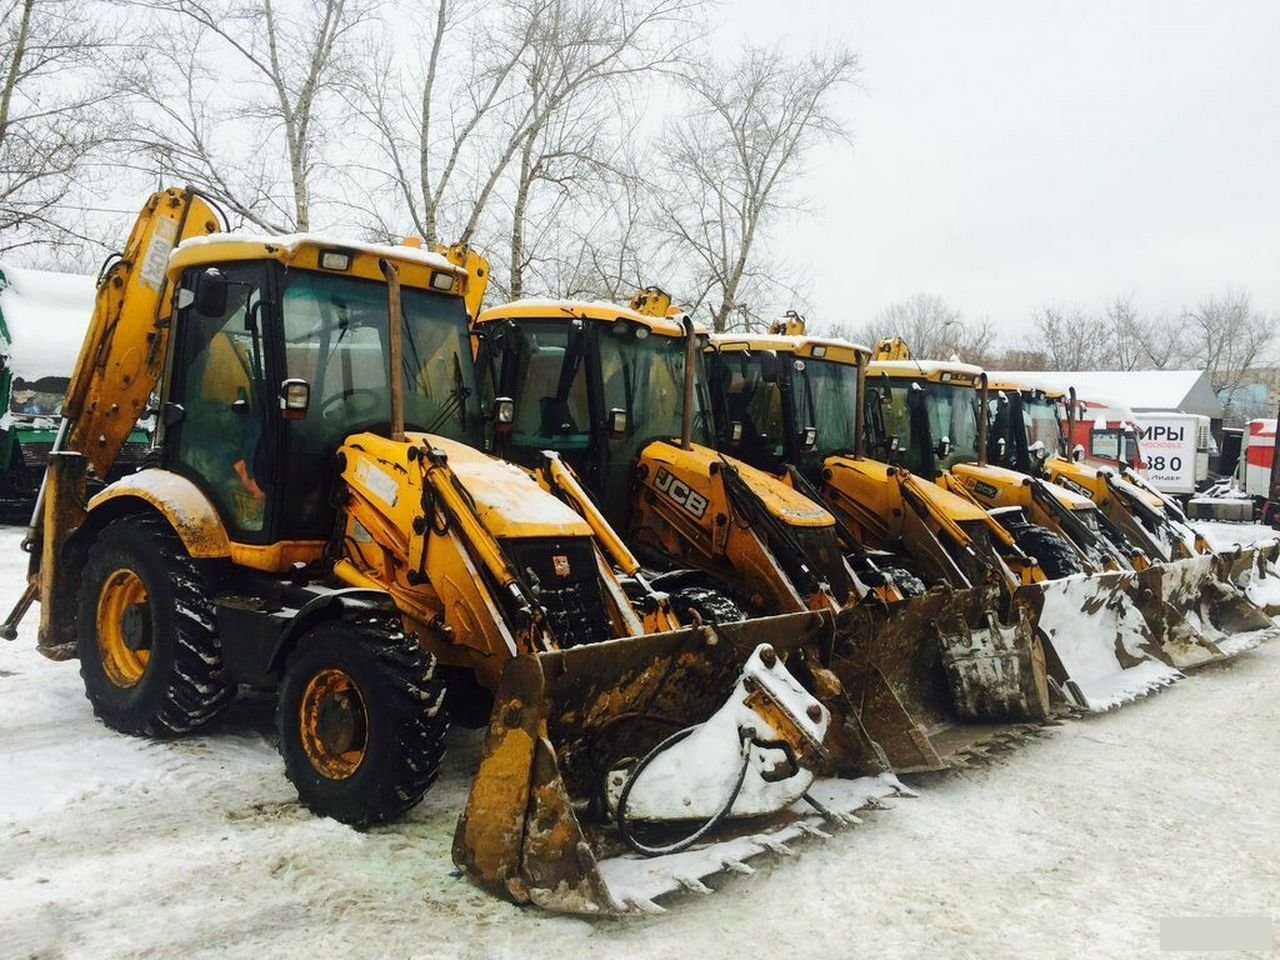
1099	646
1254	571
1198	614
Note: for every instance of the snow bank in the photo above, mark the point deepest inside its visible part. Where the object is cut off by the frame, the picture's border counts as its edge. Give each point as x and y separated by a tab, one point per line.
47	315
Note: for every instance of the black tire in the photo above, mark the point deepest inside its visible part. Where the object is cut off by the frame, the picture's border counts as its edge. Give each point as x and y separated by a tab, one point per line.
704	605
397	702
907	582
181	686
1056	556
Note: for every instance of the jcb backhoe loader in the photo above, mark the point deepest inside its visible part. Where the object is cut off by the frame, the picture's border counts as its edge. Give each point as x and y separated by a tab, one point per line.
319	522
618	393
1200	599
1099	648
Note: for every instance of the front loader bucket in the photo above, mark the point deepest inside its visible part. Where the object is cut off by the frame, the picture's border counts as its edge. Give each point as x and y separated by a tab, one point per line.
937	679
1100	648
537	826
1198	614
1254	571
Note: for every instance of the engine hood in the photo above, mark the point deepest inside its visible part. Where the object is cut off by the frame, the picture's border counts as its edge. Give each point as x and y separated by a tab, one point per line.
780	499
508	501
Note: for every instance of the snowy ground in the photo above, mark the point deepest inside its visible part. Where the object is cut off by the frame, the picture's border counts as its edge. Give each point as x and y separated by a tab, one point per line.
1075	846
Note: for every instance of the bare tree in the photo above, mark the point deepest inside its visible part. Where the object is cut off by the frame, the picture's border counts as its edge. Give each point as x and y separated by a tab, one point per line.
523	133
732	159
932	329
275	62
1227	336
1071	339
56	88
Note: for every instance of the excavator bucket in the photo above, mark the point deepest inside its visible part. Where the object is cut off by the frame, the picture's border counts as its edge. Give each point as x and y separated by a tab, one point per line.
938	680
1255	572
1100	648
702	734
1200	615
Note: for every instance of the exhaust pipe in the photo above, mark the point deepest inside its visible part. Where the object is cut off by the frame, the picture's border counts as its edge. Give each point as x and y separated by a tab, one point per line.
690	359
395	340
984	413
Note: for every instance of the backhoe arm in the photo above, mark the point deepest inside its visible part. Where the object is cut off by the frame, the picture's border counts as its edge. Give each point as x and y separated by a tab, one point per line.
119	367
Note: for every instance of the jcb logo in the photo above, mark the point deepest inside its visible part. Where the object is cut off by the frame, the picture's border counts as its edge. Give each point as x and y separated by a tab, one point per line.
1074	487
678	490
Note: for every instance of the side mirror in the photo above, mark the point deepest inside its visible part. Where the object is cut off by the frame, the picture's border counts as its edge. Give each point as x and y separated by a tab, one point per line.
1038	451
768	366
1077	452
504	413
943	449
735	431
809	437
1001	446
619	422
295	396
211	293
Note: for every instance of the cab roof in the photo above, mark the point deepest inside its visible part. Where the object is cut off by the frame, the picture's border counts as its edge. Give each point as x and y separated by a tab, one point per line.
937	371
302	250
823	348
597	310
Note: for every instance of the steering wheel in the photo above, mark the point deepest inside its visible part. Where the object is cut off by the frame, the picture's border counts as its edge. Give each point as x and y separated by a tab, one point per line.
370	402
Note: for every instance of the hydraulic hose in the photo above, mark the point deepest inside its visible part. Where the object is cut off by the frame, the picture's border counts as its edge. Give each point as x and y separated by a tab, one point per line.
745	738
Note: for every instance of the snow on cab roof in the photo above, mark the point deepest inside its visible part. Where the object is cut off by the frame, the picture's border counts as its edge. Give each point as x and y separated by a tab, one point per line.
46	315
927	367
592	309
1183	390
292	241
779	341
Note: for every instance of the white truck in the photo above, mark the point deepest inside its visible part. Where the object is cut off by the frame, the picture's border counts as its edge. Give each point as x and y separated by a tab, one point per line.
1176	448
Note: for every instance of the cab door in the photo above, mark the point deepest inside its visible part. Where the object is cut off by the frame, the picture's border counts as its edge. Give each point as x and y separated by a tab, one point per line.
216	416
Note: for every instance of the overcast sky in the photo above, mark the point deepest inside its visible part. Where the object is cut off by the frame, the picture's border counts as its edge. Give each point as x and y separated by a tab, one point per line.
1011	154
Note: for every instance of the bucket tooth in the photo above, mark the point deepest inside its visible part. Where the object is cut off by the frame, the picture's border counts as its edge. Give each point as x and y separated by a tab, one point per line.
737	866
692	884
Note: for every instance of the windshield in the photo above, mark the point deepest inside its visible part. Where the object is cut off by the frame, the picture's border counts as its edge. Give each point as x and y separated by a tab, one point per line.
545	368
909	420
1040	418
826	398
750	406
336	338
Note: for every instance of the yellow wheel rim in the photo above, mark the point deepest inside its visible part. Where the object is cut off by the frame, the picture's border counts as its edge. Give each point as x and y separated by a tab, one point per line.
124	628
334	724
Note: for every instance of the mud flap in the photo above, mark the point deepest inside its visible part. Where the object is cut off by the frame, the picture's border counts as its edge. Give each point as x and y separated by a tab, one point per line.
933	679
1100	649
1255	572
1198	613
536	828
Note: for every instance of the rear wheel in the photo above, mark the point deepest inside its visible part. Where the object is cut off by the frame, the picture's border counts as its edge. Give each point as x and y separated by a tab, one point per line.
149	656
362	719
1056	556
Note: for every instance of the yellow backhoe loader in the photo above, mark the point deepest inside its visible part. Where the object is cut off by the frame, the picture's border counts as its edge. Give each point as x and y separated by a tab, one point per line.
618	395
1199	594
318	521
1124	650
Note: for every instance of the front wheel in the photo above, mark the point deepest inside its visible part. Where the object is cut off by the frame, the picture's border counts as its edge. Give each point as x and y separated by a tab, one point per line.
362	719
704	605
1057	557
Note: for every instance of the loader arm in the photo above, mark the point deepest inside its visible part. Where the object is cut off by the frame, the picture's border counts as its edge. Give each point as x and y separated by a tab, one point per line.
119	367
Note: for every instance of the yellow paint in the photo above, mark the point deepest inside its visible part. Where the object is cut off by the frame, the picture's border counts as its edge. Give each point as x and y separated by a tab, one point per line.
181	502
122	591
333	724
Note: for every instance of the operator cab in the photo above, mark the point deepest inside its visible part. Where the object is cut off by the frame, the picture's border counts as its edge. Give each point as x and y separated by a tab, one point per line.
595	383
923	415
278	360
